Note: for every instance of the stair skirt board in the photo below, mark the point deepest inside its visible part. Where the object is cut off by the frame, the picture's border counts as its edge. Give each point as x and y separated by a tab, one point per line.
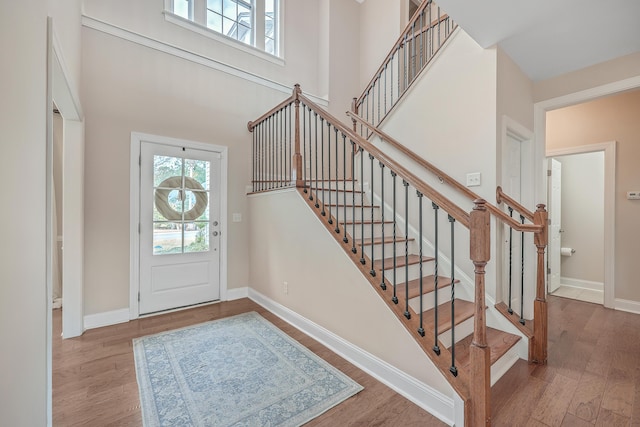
443	407
502	365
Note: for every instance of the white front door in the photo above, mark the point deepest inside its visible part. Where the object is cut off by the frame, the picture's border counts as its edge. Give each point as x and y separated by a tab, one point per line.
555	215
179	226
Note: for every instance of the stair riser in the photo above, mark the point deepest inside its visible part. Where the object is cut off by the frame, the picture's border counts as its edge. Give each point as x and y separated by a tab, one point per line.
388	249
339	197
428	300
401	273
335	185
358	215
377	229
462	331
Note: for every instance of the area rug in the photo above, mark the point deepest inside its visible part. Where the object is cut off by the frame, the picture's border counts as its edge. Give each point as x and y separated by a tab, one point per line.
236	371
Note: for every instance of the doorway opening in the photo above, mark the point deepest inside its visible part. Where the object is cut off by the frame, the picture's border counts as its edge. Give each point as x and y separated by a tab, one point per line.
576	233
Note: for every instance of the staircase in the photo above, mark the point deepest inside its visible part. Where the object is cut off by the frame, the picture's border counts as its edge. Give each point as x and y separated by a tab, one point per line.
406	238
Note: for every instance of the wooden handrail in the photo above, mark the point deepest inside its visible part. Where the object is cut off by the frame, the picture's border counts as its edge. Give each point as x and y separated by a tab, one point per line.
425	29
528	228
501	196
398	43
452	209
296	91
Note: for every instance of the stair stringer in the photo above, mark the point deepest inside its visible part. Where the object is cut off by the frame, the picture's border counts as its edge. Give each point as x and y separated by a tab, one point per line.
349	307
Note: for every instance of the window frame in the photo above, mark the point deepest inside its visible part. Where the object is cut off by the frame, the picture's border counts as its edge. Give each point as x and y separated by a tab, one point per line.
258	8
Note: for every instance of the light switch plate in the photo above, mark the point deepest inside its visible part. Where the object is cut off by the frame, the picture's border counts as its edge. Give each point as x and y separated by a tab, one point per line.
633	195
237	217
473	179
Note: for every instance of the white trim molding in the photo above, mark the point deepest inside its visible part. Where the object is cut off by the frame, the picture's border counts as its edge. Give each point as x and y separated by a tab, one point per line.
627	305
161	46
443	407
108	318
582	284
609	150
236	293
134	215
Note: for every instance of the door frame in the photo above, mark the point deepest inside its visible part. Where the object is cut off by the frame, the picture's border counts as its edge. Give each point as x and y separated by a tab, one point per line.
609	150
134	216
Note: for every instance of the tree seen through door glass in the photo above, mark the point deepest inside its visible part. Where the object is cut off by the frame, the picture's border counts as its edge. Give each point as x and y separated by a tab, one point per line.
181	205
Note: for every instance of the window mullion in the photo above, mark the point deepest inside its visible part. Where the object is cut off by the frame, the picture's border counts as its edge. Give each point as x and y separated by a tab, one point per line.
258	22
200	12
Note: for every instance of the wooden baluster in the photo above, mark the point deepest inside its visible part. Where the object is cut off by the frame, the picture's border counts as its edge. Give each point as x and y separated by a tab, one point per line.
297	157
480	354
540	305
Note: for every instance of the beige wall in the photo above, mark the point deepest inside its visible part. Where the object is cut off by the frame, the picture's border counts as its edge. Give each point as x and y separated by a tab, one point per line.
24	317
608	119
583	216
325	286
587	78
128	87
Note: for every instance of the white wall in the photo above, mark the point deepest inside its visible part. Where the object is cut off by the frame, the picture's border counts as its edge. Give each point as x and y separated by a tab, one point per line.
583	215
325	286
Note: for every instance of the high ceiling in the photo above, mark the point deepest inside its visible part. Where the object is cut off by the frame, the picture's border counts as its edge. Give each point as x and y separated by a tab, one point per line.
547	38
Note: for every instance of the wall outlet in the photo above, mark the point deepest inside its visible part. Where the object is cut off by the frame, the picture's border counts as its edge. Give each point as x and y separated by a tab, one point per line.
473	179
285	288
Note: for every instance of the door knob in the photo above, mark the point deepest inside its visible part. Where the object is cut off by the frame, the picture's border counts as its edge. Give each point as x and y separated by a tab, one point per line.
215	223
215	233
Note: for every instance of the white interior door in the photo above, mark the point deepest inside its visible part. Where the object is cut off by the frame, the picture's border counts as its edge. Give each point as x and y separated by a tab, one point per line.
555	215
179	227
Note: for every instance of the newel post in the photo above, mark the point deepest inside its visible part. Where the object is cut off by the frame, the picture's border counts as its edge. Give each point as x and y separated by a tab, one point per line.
297	157
540	304
480	375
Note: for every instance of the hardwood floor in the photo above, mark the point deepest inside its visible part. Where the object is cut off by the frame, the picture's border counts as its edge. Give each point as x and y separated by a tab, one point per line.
592	376
94	379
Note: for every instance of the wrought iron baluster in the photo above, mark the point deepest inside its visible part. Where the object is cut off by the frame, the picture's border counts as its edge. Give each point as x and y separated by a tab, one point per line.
362	260
312	177
335	139
353	197
330	221
522	273
421	327
322	163
453	368
407	314
253	160
383	285
372	271
510	310
395	266
344	186
317	205
289	139
304	151
436	347
385	88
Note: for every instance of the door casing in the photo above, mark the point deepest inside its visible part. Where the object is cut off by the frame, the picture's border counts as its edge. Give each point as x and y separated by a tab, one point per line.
134	217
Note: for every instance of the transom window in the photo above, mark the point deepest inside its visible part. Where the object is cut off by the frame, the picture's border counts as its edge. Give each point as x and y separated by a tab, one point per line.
252	22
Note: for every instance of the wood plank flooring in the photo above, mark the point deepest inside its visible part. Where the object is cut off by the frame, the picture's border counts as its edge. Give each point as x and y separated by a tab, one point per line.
94	380
592	376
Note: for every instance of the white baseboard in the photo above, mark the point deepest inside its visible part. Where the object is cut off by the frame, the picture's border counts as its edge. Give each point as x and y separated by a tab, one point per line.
441	406
98	320
627	305
237	293
582	284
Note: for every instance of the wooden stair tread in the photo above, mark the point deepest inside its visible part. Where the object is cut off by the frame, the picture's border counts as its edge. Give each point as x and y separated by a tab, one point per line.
464	310
428	285
498	341
378	240
400	261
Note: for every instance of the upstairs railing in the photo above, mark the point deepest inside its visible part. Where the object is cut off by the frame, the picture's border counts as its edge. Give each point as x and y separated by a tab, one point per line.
298	143
422	38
